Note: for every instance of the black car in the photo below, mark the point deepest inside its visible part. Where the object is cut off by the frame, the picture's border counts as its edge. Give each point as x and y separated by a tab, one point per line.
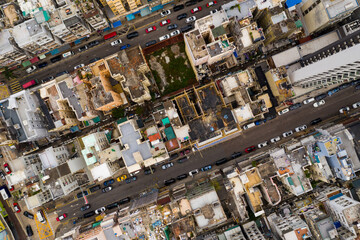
2	174
95	188
295	106
187	28
344	85
178	7
181	16
221	161
94	60
169	182
270	116
357	87
61	73
112	205
85	207
174	156
124	200
29	231
236	155
93	43
190	3
182	176
28	215
183	159
149	171
81	194
172	27
55	59
89	214
47	79
83	48
132	35
320	97
152	42
41	65
316	121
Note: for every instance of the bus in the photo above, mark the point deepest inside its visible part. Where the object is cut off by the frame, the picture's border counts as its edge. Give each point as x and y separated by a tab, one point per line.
29	84
110	35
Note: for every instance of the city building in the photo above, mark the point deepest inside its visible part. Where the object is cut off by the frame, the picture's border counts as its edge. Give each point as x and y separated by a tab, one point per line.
10	53
93	144
320	224
280	84
57	27
233	233
252	231
54	156
123	8
158	148
93	15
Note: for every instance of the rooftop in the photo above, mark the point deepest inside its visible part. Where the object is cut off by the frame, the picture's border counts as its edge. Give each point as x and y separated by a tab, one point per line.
209	99
5	45
244	6
337	7
197	44
71	96
186	107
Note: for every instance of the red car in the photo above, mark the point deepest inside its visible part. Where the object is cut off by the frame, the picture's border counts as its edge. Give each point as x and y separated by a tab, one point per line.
210	4
165	22
17	207
61	217
11	188
250	149
7	168
195	10
150	29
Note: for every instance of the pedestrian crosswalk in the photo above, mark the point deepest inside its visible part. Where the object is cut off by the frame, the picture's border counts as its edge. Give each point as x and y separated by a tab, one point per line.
14	86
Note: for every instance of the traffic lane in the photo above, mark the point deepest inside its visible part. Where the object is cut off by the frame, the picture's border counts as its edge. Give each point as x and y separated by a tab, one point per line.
14	220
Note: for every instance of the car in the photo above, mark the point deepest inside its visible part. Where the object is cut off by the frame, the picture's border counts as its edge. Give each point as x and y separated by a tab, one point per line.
275	139
193	172
79	66
221	161
150	29
125	46
295	106
213	11
61	217
263	144
81	194
356	105
131	179
16	207
320	97
190	19
122	178
344	85
250	149
85	207
174	33
333	91
93	43
162	38
169	181
315	121
174	156
149	43
61	73
68	54
183	159
186	28
210	4
181	16
167	165
300	128
83	48
112	205
11	188
41	65
95	188
108	182
107	189
190	3
100	210
186	151
31	69
116	42
2	175
182	176
94	60
132	35
149	171
309	100
236	155
89	214
318	104
164	22
195	10
29	231
250	125
259	122
124	200
344	109
7	168
55	59
288	133
206	168
178	7
283	111
28	215
270	116
47	79
172	26
165	13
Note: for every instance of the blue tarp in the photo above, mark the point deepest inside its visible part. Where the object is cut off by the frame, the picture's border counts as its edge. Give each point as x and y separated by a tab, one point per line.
74	129
138	12
54	51
235	54
145	11
158	7
291	3
130	17
117	24
107	29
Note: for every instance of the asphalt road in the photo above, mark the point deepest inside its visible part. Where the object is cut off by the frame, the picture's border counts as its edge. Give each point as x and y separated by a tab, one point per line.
250	137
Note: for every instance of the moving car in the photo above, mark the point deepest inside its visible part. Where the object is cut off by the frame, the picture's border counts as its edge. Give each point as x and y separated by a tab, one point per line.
132	35
79	66
178	7
283	111
28	215
100	210
250	149
167	165
195	10
61	217
318	104
107	189
131	179
31	69
165	13
150	29
275	139
301	128
288	133
85	207
263	144
116	42
164	22
7	168
174	33
206	168
162	38
309	100
182	176
108	182
210	4
172	26
181	16
315	121
190	19
16	207
169	181
344	109
193	172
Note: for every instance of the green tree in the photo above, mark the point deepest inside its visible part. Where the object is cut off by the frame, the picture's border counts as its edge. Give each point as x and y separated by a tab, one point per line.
118	112
8	74
139	110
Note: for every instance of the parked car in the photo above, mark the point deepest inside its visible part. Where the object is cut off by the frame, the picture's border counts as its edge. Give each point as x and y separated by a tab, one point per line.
29	231
132	35
300	128
61	217
183	159
16	207
107	189
2	175
152	42
195	10
344	109
95	188
288	133
181	16
11	188
247	126
55	59
320	97
43	64
162	38
108	182
85	207
165	22
174	33
186	151
28	215
356	105
283	111
7	168
116	42
100	210
182	176
275	139
49	78
186	28
259	122
83	48
190	3
250	149
213	11
124	200
89	214
131	179
193	172
295	106
93	43
112	205
174	156
150	29
221	161
263	144
165	13
81	194
235	155
172	26
178	7
357	87
79	66
344	85
125	46
31	69
315	121
149	171
309	100
61	73
94	60
167	165
318	104
210	4
206	168
190	19
169	181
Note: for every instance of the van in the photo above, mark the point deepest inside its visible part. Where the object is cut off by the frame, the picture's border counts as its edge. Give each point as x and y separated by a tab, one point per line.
250	125
67	54
40	216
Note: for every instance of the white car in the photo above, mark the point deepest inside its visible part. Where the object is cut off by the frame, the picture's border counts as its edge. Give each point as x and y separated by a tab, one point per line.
275	139
309	100
318	104
288	133
190	19
31	69
162	38
79	66
344	109
213	11
100	210
356	105
174	33
116	42
165	13
263	144
301	128
193	172
283	111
